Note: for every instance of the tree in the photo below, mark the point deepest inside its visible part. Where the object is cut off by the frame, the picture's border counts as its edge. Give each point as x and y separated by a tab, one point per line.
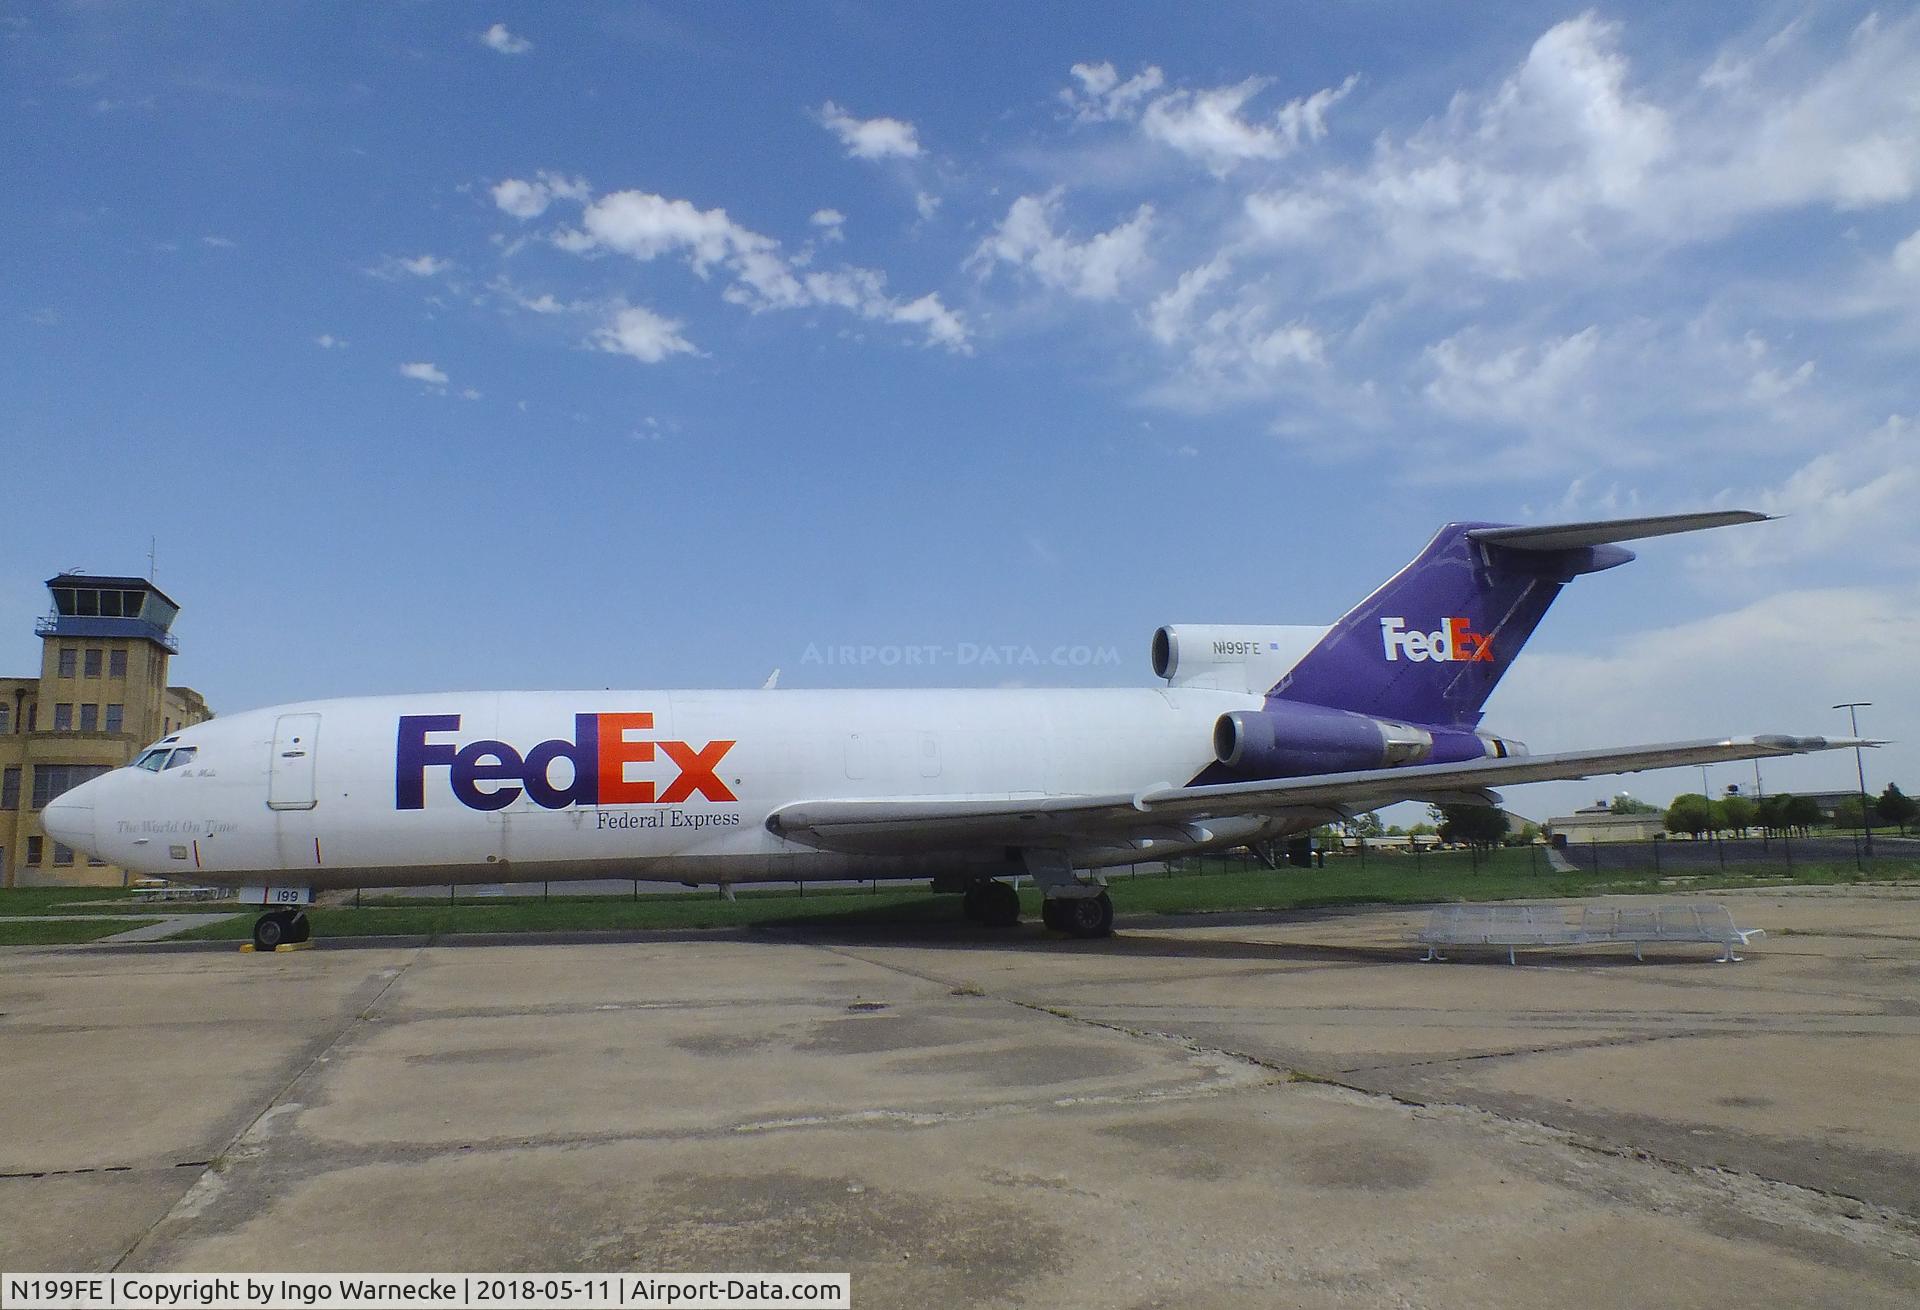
1897	808
1529	834
1772	812
1628	803
1365	826
1847	814
1690	813
1476	825
1802	812
1734	813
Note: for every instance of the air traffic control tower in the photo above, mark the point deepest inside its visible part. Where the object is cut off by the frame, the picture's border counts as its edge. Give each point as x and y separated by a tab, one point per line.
102	693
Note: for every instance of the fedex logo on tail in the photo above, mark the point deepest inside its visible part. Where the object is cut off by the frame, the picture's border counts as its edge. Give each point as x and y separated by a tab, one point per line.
1452	641
602	747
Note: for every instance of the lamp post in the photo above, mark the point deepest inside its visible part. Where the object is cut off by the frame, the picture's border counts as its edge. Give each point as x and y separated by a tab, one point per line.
1853	708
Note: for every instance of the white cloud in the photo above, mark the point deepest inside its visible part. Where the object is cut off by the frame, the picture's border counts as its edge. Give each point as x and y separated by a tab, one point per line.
1521	385
1103	97
500	39
421	265
831	223
524	199
424	372
645	226
943	326
871	138
1853	497
1906	256
1093	269
327	341
1209	125
1567	160
217	242
1797	652
469	393
926	204
642	334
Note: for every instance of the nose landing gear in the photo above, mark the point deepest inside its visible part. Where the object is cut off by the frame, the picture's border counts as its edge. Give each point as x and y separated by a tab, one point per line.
281	928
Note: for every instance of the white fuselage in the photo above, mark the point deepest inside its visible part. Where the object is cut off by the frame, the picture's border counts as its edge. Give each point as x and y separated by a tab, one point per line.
369	791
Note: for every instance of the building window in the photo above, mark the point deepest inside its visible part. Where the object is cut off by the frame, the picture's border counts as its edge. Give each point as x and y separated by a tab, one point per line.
116	664
116	716
69	661
89	718
50	780
62	855
63	717
93	663
10	788
33	852
6	717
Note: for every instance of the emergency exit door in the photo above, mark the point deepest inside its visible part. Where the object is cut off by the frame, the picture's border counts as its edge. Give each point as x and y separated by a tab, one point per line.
290	780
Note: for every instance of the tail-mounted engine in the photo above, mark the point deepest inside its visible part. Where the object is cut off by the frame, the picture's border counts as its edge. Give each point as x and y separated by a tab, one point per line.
1289	740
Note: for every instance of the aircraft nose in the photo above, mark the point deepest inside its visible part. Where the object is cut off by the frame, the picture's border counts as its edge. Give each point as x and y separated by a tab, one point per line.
68	819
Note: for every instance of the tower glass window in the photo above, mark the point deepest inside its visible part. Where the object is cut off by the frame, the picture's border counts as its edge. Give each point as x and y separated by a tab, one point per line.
95	658
69	661
116	664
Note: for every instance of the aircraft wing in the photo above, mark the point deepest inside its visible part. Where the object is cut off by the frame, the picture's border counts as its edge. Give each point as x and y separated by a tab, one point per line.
913	824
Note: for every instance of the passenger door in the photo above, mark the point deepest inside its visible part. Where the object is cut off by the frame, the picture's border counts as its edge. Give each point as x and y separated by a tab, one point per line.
290	785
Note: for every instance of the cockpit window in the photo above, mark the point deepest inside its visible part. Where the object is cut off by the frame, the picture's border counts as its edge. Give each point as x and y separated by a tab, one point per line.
152	761
183	756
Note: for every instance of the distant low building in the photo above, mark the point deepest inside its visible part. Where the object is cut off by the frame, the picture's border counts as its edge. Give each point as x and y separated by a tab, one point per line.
1600	824
102	694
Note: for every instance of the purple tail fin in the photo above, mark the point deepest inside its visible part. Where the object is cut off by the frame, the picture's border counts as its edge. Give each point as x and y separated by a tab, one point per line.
1429	645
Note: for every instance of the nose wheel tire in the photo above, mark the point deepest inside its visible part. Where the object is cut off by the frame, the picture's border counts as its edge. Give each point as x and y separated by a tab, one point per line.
1081	916
281	928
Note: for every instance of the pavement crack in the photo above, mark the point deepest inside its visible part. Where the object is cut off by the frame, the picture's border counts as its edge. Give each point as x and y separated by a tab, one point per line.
195	1198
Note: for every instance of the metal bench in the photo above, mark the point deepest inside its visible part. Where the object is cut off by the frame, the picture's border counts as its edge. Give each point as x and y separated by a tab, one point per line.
1514	926
1711	923
1511	926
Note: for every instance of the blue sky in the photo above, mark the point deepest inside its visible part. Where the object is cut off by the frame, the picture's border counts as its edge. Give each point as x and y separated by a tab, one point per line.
443	346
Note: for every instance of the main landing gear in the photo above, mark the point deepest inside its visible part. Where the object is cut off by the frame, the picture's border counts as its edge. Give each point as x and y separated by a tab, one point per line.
992	902
1079	916
997	905
280	928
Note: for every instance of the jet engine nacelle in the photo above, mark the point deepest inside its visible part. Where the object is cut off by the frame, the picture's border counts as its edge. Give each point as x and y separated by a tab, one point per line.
1289	740
1230	657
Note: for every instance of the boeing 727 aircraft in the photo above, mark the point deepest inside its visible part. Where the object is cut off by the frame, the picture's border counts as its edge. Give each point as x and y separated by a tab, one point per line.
1256	734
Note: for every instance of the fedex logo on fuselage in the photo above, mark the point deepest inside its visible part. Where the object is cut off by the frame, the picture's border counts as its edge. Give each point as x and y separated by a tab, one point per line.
1452	640
602	747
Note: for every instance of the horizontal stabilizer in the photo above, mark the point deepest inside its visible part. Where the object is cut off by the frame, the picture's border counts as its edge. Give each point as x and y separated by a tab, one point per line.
1603	532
